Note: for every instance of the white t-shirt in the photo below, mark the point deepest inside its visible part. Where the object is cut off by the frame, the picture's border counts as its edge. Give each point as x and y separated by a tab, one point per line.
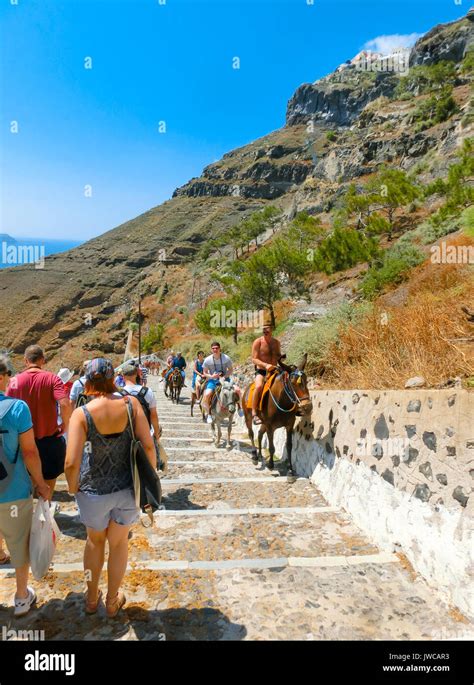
150	398
222	364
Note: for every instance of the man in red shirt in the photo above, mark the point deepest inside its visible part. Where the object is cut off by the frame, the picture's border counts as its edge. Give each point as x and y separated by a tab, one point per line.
41	390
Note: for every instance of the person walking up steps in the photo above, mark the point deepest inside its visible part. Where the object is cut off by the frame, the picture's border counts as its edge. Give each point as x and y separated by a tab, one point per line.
41	390
77	395
145	396
18	456
98	473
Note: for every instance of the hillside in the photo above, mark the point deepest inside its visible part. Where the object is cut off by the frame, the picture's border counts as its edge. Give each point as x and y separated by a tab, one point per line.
339	130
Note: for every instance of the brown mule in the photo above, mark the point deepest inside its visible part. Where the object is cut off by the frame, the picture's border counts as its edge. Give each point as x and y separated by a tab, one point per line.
287	398
175	384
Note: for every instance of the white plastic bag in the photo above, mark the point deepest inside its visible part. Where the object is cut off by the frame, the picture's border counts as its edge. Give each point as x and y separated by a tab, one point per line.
43	538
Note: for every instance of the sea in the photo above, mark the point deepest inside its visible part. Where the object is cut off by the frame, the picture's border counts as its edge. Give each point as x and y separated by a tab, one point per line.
20	251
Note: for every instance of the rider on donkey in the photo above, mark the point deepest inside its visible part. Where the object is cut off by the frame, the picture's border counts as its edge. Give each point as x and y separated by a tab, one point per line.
198	375
266	352
216	365
177	362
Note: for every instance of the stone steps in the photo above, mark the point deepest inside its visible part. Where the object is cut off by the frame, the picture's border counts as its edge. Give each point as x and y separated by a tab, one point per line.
236	553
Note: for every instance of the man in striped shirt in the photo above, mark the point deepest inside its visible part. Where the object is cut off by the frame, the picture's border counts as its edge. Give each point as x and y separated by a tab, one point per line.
143	374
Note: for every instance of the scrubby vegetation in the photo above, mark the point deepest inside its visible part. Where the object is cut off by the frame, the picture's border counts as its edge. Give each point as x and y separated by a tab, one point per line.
391	269
153	339
318	339
426	79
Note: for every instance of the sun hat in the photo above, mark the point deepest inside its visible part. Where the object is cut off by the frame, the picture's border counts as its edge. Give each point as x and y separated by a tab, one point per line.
129	368
99	367
65	374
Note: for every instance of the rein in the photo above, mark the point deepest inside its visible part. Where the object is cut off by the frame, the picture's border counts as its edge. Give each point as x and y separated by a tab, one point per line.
217	401
291	394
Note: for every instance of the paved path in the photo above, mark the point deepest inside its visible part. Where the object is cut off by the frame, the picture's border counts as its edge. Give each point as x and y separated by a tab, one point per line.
237	554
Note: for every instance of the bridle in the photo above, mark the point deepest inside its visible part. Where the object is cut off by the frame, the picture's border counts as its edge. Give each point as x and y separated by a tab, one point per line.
176	373
221	404
290	391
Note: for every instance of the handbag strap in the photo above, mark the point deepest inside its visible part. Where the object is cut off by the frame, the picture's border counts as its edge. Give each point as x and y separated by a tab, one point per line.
130	417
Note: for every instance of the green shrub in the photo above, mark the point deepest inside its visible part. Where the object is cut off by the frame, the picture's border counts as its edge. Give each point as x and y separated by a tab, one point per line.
426	79
331	136
153	340
467	221
467	65
435	109
317	339
391	269
429	231
343	249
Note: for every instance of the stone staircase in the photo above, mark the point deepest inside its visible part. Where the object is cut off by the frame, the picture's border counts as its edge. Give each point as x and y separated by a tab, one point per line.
236	553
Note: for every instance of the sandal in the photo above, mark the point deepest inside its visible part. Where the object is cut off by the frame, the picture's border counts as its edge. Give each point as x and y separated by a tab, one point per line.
256	421
114	605
91	607
5	559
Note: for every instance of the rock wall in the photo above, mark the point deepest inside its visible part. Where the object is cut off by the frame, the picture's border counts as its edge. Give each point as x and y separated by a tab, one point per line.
402	464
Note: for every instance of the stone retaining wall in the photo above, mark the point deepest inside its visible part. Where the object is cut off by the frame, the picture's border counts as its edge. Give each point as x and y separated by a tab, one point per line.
402	464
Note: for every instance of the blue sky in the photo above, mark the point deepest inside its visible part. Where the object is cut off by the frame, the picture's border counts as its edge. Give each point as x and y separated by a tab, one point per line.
155	62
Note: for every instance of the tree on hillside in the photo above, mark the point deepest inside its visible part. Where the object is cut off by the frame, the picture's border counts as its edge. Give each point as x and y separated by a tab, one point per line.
389	190
251	228
271	216
260	284
267	275
153	339
237	239
435	109
458	187
220	317
343	249
385	193
304	230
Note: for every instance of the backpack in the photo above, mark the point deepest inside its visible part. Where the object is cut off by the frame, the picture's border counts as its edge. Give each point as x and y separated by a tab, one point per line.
141	398
6	466
82	398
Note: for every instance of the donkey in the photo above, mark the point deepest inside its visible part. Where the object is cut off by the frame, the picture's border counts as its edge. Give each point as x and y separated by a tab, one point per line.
288	398
224	404
175	384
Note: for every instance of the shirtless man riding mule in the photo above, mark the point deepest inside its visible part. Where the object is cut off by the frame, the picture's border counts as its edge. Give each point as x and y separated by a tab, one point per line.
266	352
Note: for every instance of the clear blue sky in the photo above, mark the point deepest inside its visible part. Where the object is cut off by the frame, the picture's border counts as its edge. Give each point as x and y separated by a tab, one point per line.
154	62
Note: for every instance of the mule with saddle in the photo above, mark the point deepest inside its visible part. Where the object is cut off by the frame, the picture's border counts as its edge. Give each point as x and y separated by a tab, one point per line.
285	396
174	383
223	403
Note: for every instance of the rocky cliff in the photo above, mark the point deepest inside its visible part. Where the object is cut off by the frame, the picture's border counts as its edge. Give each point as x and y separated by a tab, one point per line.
83	300
340	97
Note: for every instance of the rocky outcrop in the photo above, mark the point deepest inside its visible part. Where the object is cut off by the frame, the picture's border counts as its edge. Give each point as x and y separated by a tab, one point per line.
444	42
338	100
262	179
